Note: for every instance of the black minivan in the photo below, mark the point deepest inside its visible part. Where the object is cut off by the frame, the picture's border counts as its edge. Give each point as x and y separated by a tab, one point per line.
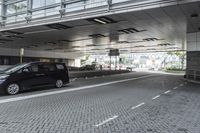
29	75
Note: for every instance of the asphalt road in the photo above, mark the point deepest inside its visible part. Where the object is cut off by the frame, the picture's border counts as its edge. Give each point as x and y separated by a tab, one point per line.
125	103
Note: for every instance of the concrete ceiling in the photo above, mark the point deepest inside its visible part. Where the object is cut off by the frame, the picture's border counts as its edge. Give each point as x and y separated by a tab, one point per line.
159	29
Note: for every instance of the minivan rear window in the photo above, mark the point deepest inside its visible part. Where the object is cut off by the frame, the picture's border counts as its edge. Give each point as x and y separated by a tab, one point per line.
60	66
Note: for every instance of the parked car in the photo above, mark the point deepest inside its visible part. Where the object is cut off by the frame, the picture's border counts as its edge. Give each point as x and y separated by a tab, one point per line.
31	75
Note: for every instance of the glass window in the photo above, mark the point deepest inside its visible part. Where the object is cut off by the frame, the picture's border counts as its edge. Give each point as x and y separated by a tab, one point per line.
74	6
11	19
37	14
0	8
15	18
95	3
42	3
51	2
16	7
117	1
52	11
38	3
60	66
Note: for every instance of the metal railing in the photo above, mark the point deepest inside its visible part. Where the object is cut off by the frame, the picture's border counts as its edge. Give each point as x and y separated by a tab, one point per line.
81	10
43	13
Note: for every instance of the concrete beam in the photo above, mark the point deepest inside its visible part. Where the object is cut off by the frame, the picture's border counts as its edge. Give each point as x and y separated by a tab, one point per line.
36	53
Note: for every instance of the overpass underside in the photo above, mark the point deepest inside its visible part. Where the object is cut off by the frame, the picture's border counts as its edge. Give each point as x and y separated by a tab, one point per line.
96	27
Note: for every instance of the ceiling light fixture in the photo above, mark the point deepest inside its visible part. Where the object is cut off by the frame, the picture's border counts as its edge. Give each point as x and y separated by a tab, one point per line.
96	35
100	21
150	39
194	15
123	42
91	45
128	31
58	26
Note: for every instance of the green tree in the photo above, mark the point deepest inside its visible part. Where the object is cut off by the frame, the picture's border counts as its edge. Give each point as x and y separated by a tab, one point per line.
181	55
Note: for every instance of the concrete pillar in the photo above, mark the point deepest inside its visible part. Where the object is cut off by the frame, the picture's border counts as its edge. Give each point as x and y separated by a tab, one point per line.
193	56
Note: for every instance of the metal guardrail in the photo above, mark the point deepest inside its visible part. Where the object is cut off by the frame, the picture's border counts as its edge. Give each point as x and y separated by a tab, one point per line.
47	13
193	74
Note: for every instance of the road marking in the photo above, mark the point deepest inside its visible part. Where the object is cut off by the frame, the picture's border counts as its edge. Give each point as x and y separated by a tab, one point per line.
74	79
106	121
69	90
166	92
175	88
181	85
156	97
137	106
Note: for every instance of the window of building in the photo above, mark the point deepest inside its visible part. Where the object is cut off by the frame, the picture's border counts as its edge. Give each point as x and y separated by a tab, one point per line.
17	7
38	3
74	6
51	2
43	3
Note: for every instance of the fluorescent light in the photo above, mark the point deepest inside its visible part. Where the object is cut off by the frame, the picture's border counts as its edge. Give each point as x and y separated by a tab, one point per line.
39	31
100	21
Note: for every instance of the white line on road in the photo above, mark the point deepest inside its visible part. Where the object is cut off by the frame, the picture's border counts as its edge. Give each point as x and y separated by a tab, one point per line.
104	122
156	97
137	106
181	85
175	88
166	92
74	79
68	90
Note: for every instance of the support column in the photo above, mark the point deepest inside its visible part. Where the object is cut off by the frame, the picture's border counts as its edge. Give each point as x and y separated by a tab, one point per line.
193	56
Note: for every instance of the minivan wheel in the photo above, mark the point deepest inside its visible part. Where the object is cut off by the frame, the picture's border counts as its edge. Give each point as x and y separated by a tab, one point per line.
59	83
12	89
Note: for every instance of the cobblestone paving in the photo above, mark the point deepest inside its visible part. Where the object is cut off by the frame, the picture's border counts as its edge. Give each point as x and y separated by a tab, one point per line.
79	111
177	112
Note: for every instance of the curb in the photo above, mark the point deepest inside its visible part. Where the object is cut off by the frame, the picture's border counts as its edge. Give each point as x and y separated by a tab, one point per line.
191	81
